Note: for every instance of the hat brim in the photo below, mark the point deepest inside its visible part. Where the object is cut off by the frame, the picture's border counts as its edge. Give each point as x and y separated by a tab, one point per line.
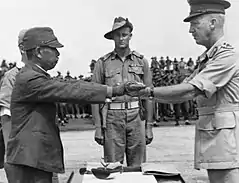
55	44
109	35
226	4
190	17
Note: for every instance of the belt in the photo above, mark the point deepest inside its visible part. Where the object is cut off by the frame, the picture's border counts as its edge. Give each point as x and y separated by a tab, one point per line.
221	108
123	105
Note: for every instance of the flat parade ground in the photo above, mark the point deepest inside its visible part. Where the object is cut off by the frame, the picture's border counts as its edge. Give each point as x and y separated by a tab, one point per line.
171	145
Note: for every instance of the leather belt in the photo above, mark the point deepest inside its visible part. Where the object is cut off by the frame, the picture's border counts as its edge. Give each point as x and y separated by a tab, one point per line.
221	108
123	105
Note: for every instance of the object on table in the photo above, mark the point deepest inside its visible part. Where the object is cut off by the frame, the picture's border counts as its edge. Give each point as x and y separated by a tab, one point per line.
162	171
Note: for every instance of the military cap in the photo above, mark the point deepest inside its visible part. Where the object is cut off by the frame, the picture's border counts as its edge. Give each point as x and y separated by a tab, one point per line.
201	7
40	36
21	36
119	22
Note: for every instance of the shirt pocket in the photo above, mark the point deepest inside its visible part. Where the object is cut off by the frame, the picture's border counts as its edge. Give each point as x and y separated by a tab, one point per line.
217	121
113	76
136	72
217	137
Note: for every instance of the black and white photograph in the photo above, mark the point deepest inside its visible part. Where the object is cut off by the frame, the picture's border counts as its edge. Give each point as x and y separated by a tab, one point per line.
119	91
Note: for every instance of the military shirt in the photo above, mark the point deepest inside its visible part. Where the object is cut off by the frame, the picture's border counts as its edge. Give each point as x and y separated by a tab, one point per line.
217	130
7	84
111	70
218	74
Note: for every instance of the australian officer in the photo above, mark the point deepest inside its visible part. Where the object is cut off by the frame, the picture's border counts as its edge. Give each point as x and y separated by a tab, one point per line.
215	85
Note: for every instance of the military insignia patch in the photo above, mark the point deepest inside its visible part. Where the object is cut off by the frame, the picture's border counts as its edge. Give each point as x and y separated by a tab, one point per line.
226	46
213	52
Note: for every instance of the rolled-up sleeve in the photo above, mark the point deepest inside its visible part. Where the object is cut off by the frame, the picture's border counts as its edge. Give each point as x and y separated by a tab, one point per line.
216	74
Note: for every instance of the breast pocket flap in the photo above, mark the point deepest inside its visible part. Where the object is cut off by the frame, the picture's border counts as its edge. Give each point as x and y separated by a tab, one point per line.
137	69
111	73
217	121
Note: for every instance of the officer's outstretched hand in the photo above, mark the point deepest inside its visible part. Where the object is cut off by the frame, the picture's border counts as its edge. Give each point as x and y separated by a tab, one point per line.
135	89
99	136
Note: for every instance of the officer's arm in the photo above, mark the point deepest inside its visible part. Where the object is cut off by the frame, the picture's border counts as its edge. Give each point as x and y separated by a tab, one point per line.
7	84
39	88
97	78
176	93
147	79
213	77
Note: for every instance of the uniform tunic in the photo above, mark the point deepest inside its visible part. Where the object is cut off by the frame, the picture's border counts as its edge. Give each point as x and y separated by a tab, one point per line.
125	131
35	140
217	131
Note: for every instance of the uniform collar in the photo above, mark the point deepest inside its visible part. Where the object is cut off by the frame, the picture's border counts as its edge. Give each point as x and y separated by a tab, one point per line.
114	54
41	69
37	68
212	51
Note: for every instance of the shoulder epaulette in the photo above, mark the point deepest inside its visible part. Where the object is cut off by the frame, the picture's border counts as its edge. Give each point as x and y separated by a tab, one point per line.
105	57
226	46
138	54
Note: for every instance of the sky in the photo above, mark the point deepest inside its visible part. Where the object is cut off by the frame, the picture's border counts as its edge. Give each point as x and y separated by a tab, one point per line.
80	26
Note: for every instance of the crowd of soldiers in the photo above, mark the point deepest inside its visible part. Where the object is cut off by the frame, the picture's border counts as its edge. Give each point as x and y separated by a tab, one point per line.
66	111
4	67
166	72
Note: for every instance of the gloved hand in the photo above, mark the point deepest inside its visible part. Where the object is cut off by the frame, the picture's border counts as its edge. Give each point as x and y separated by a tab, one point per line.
135	89
99	136
149	133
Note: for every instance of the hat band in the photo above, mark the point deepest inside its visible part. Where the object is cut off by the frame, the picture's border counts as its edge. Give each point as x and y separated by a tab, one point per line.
207	11
207	8
49	41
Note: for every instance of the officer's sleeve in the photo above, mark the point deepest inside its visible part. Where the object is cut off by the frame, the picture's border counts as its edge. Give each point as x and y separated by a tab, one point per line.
39	88
98	77
147	79
6	89
217	73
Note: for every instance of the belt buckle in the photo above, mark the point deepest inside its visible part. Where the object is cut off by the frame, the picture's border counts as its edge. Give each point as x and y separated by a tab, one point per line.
126	105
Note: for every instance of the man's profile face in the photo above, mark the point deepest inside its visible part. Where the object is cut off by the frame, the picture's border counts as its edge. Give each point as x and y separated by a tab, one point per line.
122	37
49	57
200	30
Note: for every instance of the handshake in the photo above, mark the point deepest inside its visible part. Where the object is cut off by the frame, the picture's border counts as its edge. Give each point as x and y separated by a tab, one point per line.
131	88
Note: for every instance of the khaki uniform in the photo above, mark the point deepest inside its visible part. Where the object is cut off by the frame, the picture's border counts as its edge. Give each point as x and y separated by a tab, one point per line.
217	131
125	131
5	99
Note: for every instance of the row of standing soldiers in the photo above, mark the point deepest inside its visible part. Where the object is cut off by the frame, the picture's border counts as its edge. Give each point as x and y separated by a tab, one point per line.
166	73
66	111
